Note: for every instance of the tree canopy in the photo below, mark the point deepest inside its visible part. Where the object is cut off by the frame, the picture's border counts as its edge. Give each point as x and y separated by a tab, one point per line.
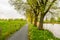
36	8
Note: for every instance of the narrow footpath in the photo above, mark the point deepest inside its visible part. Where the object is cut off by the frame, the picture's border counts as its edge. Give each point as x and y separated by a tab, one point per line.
22	34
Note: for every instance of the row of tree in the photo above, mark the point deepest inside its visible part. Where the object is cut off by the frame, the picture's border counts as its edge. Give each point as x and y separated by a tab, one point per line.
35	9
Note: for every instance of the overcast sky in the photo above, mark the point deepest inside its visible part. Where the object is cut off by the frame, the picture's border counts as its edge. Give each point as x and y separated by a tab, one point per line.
7	11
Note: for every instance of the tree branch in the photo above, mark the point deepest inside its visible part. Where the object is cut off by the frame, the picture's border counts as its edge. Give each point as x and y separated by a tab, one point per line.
49	7
46	2
53	13
42	1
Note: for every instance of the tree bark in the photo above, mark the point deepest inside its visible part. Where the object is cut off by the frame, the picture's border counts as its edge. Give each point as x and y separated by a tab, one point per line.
31	20
40	27
35	21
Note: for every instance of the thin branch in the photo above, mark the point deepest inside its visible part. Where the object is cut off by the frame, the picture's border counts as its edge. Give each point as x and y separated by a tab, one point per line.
42	2
49	7
46	2
39	2
53	13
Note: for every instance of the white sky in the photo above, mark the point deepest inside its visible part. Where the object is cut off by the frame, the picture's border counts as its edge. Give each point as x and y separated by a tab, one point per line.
7	11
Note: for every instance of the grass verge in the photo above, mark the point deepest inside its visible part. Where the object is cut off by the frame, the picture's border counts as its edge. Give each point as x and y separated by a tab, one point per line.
35	34
10	26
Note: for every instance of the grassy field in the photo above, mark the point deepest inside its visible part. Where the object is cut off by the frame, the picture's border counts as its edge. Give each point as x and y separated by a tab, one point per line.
35	34
8	27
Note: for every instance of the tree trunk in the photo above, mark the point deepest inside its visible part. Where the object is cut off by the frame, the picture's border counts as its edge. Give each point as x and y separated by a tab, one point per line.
41	22
35	21
31	20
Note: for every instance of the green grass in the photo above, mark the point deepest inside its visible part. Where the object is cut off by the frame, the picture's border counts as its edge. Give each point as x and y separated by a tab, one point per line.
10	26
35	34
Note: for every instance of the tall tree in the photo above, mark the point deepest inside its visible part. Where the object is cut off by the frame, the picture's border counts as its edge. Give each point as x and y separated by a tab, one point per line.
41	7
38	7
35	8
45	7
30	15
33	5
